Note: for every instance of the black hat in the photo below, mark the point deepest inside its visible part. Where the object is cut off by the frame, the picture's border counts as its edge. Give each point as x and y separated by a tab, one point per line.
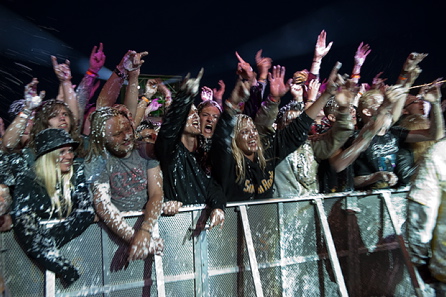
51	139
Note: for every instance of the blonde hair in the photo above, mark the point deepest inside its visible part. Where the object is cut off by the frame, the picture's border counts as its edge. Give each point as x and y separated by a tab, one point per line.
97	134
58	186
240	164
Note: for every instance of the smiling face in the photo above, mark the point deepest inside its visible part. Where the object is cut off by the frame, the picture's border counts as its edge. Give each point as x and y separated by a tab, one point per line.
119	136
247	138
60	120
66	156
208	119
193	122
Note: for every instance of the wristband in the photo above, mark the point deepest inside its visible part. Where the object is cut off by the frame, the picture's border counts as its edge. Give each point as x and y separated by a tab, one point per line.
91	73
23	115
402	77
145	99
355	75
150	232
119	73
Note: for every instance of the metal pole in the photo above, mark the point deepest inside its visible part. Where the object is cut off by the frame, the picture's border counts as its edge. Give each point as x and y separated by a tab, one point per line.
251	252
331	248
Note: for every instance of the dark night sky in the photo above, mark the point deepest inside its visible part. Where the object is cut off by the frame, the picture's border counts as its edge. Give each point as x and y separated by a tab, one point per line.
183	36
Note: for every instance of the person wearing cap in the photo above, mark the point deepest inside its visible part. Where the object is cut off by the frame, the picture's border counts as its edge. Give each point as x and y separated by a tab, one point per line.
52	189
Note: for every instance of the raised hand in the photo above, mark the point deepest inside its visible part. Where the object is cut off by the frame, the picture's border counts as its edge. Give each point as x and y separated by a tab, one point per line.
313	89
218	93
334	79
412	61
63	71
134	60
244	69
277	85
97	59
431	92
206	93
321	49
378	82
396	93
32	100
263	65
362	53
192	85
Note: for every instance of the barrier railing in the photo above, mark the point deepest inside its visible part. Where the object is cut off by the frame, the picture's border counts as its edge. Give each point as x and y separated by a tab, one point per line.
343	244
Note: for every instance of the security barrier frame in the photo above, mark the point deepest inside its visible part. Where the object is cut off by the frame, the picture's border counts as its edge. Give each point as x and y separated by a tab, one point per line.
320	245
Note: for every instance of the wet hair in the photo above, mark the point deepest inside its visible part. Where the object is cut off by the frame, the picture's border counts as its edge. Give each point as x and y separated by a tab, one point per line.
57	185
145	125
237	153
97	134
331	107
208	103
48	110
292	105
366	100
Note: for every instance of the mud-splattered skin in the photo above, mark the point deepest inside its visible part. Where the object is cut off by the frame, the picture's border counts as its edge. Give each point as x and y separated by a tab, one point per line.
60	119
208	119
247	139
66	157
119	136
193	122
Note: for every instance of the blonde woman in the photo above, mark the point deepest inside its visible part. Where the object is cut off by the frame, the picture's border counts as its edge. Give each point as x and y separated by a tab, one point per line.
54	189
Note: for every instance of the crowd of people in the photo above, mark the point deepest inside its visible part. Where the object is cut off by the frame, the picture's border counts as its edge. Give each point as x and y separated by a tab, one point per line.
80	158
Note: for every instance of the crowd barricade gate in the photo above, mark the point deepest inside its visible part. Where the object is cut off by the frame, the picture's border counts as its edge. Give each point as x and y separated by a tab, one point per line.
342	244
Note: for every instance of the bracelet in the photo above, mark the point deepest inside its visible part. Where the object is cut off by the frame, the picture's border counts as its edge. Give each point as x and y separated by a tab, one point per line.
91	73
355	75
148	231
119	73
145	99
402	77
23	115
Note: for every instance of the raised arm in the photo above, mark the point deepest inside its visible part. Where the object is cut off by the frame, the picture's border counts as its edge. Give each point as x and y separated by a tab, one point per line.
89	82
344	158
219	92
432	94
13	133
320	50
334	81
110	90
63	73
133	69
361	54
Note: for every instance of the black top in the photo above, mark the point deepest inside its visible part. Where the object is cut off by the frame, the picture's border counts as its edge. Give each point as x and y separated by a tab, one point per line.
183	178
258	183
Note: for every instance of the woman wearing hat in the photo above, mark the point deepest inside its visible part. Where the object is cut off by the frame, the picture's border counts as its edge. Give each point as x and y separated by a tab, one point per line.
54	189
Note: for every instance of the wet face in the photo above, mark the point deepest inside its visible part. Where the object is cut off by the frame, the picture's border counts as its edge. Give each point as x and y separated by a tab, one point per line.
66	157
208	119
414	106
119	137
60	120
193	122
247	138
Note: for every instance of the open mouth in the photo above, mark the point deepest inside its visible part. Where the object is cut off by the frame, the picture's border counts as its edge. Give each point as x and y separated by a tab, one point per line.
208	129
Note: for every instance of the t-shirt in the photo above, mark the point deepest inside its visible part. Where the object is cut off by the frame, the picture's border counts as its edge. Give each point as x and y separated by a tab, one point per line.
382	153
127	178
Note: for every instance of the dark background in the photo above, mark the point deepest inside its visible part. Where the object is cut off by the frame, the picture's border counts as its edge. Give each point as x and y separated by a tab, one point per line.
184	36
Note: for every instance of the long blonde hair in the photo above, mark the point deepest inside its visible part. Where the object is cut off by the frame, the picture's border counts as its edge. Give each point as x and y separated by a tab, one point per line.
57	185
239	156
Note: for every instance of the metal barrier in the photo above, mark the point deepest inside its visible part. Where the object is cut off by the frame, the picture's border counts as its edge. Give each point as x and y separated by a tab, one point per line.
343	244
